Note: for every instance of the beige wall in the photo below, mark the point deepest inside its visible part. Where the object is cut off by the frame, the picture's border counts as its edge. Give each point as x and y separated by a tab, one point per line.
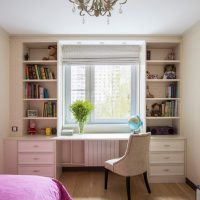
4	91
191	100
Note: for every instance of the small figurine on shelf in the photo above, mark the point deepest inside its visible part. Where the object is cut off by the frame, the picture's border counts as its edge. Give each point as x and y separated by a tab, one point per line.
42	131
151	76
52	53
171	55
149	95
169	72
54	131
148	74
32	127
26	56
48	131
148	113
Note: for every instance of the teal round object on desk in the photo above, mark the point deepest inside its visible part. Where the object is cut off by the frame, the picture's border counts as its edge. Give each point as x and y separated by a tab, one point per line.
135	123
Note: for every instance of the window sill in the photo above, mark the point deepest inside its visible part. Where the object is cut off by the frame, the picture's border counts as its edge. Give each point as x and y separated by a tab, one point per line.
101	128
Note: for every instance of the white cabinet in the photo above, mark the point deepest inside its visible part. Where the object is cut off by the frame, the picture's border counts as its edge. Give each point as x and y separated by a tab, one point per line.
36	157
167	160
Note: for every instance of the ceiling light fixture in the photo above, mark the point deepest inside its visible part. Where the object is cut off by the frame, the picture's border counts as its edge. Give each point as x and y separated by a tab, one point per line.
96	7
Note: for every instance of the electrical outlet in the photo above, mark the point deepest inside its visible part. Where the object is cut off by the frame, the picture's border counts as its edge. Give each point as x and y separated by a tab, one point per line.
14	128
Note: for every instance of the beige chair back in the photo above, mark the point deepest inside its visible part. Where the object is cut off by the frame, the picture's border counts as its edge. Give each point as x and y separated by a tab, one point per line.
135	160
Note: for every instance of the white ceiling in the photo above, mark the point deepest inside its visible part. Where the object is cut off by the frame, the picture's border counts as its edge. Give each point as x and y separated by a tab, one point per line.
168	17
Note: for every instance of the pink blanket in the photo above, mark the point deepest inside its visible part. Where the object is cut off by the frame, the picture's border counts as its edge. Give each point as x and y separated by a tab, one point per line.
17	187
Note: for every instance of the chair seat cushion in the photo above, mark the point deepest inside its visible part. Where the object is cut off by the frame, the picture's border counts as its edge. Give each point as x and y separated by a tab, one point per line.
109	164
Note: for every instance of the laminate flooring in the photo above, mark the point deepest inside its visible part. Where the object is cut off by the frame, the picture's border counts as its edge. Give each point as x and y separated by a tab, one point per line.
90	186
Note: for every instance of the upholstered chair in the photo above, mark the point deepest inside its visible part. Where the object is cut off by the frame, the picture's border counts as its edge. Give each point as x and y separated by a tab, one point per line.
134	162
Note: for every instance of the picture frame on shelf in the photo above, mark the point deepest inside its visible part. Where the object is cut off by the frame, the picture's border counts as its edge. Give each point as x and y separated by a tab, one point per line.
32	113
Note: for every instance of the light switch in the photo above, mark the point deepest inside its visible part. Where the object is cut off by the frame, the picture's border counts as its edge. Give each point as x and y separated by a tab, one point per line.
14	128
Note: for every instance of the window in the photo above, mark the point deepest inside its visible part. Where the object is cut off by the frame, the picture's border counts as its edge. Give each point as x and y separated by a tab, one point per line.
111	88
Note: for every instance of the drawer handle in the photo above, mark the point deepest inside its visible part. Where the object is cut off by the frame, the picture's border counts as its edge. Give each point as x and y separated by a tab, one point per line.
35	146
35	158
166	170
36	171
167	145
166	158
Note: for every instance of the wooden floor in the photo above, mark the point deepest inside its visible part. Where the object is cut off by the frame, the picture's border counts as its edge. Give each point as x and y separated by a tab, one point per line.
90	185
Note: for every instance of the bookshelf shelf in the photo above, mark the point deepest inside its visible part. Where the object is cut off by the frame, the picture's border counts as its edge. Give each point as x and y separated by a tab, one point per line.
40	118
161	99
41	62
45	99
162	117
38	80
153	62
163	80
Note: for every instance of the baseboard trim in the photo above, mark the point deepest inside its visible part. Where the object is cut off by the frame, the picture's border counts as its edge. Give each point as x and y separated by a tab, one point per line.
191	184
84	169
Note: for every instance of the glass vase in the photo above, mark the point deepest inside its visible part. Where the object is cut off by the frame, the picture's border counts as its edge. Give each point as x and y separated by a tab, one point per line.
81	127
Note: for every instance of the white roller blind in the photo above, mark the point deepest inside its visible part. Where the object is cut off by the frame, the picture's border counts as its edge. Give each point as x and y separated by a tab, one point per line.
100	54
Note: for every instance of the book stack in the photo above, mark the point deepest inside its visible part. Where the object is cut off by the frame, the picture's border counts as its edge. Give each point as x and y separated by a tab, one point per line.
35	91
169	109
49	109
172	90
38	72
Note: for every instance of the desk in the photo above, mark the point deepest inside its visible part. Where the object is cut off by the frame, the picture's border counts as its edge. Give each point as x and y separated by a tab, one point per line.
89	149
166	163
95	136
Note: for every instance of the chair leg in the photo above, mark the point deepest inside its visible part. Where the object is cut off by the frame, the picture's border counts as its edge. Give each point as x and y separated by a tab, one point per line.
146	182
106	179
128	179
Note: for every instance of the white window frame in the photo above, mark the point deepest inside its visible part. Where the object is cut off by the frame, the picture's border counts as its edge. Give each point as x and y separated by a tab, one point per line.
103	128
68	122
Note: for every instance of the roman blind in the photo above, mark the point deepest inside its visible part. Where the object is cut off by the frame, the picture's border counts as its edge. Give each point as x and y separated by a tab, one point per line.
100	54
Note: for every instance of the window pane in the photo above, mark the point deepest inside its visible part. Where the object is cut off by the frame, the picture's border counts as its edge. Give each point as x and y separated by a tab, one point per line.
78	83
112	92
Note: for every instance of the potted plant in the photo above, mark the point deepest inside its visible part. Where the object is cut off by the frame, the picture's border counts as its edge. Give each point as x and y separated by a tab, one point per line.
81	111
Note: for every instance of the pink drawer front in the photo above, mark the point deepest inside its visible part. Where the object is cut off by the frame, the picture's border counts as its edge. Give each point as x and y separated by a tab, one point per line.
35	146
36	158
36	170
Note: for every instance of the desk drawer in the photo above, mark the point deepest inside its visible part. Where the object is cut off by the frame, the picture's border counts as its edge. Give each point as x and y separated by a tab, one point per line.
167	145
166	158
36	170
166	170
36	158
35	146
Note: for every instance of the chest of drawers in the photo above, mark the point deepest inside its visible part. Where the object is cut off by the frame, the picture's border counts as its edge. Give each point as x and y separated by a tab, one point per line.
36	157
167	160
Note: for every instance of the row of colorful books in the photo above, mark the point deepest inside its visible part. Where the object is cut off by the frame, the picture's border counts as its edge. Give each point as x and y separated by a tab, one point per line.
38	72
50	109
169	109
172	90
35	91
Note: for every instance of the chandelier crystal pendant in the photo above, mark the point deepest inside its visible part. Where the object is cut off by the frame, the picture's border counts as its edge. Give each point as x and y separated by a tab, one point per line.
96	7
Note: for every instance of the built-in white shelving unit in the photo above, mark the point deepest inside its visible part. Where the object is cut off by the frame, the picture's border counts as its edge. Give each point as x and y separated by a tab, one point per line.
158	86
36	79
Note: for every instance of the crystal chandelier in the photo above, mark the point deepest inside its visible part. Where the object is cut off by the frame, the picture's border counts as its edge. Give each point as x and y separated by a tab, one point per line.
96	7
